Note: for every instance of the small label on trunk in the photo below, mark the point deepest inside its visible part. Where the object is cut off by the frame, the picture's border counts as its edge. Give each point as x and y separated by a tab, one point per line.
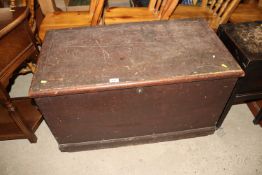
114	80
43	81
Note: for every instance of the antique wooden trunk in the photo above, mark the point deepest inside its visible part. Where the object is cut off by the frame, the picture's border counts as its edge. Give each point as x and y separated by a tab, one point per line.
133	83
244	40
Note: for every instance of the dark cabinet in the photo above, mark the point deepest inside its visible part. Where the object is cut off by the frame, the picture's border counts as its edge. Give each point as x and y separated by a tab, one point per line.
244	41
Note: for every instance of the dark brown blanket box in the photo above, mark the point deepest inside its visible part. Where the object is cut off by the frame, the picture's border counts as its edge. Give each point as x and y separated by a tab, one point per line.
132	83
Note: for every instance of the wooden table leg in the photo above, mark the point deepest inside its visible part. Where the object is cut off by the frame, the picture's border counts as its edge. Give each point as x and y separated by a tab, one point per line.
258	117
14	114
256	109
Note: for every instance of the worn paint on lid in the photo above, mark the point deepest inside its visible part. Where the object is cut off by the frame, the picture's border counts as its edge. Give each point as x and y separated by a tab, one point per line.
137	54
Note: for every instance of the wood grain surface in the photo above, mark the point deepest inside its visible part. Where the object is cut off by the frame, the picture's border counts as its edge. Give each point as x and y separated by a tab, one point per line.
141	53
246	13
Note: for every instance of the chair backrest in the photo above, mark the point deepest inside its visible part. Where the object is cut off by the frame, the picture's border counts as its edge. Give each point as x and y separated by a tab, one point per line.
163	8
96	11
221	9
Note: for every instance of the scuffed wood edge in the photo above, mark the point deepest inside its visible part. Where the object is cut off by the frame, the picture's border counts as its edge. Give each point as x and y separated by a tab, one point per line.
135	84
111	143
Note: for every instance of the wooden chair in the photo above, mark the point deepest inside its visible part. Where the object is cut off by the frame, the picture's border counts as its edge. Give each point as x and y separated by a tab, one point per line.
62	20
217	12
157	10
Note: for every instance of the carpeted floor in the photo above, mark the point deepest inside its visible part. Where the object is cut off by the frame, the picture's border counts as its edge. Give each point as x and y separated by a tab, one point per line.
235	149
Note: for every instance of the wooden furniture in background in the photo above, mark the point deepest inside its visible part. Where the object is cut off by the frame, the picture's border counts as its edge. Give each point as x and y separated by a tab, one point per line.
62	20
218	12
246	13
244	41
47	6
126	85
157	10
17	41
19	118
